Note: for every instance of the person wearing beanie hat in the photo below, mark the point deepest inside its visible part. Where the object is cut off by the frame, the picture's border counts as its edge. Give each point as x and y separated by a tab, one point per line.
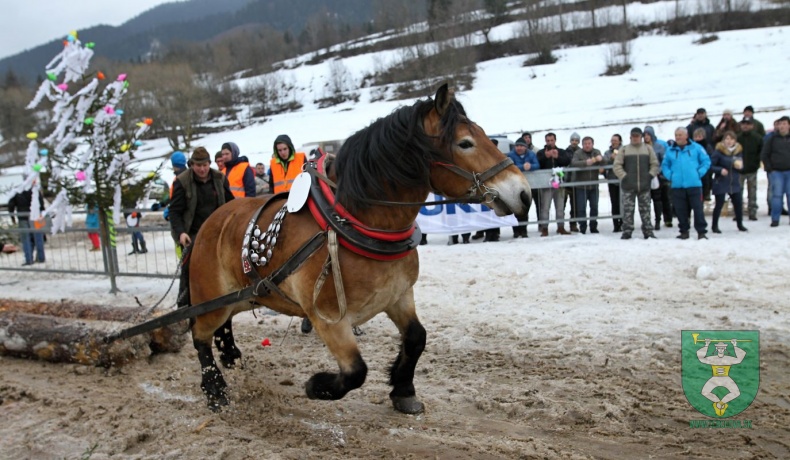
240	174
701	120
748	112
525	160
197	193
179	162
727	123
636	165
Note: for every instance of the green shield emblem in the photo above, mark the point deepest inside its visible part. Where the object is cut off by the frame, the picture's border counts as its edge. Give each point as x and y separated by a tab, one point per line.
720	370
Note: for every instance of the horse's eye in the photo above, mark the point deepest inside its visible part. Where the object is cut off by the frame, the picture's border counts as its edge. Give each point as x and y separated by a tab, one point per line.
466	145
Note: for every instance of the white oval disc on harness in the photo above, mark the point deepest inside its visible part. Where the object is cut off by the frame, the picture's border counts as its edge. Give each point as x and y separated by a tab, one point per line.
300	189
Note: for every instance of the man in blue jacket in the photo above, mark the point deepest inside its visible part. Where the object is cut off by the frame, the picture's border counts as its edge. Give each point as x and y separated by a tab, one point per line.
525	160
684	165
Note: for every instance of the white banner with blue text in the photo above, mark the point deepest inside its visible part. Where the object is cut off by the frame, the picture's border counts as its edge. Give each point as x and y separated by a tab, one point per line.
454	218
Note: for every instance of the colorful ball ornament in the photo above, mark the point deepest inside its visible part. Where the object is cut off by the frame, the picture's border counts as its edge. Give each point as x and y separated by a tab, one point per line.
88	121
90	45
138	143
119	112
63	87
79	175
148	121
124	147
51	76
37	167
32	136
100	75
121	77
43	152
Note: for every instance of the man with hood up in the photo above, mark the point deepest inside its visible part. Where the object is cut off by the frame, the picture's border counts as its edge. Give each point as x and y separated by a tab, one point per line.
285	165
240	174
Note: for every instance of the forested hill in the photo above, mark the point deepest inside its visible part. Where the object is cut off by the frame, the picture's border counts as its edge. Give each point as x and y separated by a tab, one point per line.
190	21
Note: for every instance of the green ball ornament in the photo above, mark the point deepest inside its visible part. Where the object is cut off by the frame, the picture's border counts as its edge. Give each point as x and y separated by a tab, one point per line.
90	45
51	76
37	167
89	121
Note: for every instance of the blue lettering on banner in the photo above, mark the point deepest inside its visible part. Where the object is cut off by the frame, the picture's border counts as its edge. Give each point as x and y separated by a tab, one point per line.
450	207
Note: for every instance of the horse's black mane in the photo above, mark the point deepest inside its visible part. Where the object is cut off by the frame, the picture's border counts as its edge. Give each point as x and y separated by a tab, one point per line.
394	152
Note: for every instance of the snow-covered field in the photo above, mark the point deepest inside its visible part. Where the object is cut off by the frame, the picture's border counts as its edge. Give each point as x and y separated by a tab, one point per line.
558	347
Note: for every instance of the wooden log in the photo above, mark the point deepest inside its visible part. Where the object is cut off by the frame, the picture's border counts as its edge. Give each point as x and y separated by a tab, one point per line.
67	341
67	309
170	338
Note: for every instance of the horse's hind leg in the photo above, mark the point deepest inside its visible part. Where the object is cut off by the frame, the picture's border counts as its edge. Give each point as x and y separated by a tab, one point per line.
403	395
353	370
212	382
226	344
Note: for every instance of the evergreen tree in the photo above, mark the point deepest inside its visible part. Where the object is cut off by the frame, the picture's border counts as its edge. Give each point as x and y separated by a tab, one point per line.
87	154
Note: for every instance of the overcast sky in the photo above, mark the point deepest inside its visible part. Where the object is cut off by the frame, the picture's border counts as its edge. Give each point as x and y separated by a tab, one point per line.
26	24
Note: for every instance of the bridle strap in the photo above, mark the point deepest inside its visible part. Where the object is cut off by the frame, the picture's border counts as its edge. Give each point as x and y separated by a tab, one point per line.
474	197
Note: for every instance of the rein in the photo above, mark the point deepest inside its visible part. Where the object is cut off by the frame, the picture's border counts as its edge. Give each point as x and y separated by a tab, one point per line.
473	197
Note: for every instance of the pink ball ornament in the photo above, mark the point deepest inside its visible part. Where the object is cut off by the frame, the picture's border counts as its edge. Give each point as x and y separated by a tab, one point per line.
80	175
555	184
63	87
121	77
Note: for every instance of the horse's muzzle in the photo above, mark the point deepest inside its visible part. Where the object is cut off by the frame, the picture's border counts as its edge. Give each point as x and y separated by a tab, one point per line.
526	199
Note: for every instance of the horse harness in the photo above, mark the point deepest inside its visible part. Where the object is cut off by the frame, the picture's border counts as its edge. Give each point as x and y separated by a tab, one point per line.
338	228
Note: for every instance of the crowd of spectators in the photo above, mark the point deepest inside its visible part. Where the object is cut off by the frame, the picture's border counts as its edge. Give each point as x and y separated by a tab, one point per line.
695	173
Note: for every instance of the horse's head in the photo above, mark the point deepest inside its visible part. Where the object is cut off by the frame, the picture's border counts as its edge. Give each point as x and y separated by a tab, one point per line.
475	167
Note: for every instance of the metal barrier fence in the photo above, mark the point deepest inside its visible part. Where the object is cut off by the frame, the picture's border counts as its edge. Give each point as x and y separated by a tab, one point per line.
541	180
72	251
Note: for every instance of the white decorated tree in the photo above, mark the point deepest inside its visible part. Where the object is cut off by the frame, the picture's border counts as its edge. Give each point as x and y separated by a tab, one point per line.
87	154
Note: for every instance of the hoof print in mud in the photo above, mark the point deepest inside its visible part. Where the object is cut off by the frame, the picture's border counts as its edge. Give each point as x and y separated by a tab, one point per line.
408	405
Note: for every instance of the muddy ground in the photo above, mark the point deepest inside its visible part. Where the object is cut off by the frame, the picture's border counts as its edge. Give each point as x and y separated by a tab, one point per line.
521	362
509	398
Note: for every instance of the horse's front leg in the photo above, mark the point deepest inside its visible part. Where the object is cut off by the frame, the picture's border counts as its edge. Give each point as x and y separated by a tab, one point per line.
404	315
212	382
340	341
226	344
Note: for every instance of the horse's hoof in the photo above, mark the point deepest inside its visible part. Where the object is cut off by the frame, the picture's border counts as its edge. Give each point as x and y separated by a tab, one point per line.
229	362
215	404
407	404
323	386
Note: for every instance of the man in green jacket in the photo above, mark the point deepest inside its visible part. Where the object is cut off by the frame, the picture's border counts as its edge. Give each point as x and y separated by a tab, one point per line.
197	192
636	165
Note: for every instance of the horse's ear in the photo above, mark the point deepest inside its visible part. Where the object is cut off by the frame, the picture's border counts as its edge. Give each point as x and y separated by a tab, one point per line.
442	99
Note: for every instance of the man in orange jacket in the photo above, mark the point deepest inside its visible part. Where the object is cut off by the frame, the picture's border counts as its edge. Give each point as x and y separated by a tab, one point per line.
240	174
285	165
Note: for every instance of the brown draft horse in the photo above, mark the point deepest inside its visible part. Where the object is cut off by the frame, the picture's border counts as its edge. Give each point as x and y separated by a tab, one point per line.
402	158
